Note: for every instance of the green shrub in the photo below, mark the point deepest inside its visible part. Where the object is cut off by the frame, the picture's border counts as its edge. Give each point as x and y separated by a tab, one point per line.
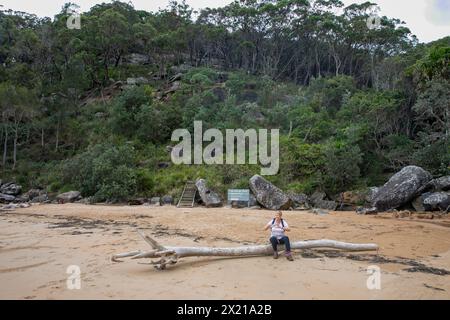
145	182
104	171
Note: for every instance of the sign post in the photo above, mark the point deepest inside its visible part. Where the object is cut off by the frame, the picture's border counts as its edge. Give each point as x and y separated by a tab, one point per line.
239	195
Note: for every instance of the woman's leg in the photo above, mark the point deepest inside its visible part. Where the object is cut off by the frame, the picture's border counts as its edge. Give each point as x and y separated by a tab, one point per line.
286	242
274	243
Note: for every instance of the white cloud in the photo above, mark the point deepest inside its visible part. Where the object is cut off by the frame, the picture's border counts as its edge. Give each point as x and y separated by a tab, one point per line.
414	14
438	12
428	19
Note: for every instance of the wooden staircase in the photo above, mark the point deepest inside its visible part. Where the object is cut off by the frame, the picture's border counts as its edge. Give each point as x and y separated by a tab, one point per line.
188	196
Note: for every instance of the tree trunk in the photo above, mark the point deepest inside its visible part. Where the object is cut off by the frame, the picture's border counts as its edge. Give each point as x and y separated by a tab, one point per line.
57	135
16	136
5	146
172	254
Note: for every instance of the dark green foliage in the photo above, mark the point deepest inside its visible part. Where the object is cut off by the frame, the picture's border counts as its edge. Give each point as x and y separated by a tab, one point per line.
104	171
352	104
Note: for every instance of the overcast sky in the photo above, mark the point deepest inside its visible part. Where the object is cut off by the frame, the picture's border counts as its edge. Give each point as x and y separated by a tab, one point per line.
428	19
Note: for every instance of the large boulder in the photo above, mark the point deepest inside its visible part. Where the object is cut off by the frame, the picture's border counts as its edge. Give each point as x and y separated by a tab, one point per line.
156	201
209	197
401	188
299	200
67	197
6	198
318	200
432	201
437	201
268	195
35	193
11	189
40	199
167	200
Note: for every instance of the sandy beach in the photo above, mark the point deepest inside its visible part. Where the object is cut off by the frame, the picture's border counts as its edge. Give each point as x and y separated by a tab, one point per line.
37	245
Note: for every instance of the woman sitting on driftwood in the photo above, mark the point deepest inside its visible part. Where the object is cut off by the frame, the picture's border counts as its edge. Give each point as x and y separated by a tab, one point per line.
278	227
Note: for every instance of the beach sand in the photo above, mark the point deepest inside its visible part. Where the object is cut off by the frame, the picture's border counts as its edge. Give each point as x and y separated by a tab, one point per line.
37	245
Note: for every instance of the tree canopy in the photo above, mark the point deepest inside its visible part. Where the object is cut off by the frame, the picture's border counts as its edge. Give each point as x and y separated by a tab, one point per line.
354	102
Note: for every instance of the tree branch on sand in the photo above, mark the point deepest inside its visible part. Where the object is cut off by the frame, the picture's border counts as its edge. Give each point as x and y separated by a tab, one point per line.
170	255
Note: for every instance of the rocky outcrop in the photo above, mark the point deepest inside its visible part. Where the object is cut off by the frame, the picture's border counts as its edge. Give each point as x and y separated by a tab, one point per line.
437	201
326	204
176	85
137	81
401	188
209	198
68	197
440	184
432	201
35	196
43	198
136	59
6	198
318	200
268	195
316	196
167	200
11	189
299	200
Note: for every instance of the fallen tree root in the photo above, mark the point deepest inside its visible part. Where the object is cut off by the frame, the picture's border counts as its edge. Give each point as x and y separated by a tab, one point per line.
170	255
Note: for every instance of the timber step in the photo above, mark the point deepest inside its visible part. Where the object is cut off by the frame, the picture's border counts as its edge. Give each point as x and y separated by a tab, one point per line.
188	196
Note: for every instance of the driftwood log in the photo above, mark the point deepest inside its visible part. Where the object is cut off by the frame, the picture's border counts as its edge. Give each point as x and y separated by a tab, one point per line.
170	255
